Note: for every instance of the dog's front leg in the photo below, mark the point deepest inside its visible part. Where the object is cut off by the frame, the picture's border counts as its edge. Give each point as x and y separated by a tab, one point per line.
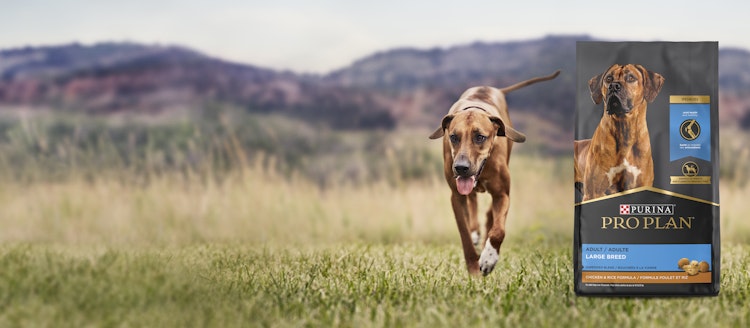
460	205
495	234
472	222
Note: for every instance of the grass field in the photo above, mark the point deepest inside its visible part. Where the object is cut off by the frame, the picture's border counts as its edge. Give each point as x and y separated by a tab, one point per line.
257	249
257	246
354	285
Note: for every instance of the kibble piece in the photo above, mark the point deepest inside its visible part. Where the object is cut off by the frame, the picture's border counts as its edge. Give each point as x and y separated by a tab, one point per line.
703	266
683	262
691	269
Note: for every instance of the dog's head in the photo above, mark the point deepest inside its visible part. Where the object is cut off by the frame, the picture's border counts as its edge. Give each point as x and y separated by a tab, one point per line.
624	88
471	133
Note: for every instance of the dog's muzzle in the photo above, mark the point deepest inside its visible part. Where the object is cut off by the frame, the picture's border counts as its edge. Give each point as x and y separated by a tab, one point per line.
614	106
465	181
617	103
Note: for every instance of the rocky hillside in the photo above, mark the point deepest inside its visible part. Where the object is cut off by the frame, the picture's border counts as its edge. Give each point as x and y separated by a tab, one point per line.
409	87
114	77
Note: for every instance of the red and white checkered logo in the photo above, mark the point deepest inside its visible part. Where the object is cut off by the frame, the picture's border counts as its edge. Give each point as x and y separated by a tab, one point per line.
624	209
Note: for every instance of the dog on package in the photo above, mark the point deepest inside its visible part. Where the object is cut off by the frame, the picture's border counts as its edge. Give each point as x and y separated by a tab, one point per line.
618	156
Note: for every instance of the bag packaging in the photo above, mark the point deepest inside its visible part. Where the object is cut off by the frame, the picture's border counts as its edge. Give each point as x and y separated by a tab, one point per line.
646	169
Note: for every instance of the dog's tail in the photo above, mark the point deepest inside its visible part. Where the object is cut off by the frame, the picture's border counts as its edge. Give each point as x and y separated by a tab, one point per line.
530	81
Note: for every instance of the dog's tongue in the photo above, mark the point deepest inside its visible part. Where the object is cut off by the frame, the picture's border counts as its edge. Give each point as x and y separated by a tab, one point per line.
465	185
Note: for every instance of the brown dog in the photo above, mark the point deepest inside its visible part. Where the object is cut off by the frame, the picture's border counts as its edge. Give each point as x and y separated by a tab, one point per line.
477	139
618	156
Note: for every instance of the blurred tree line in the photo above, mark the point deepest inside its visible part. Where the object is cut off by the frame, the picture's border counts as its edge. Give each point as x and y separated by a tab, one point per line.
208	142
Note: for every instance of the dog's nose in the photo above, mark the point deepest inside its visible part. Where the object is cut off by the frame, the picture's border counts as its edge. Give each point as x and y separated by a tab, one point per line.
461	169
615	86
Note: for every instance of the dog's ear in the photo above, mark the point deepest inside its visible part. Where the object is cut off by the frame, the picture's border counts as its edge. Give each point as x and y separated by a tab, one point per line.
652	83
595	87
507	131
443	125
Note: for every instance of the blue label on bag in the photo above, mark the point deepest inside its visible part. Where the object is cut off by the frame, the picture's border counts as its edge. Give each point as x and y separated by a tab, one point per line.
641	257
690	131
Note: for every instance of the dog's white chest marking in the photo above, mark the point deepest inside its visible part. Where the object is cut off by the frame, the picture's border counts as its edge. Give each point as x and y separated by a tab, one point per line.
624	166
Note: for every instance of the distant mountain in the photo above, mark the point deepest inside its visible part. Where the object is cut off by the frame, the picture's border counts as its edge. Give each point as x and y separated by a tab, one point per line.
428	81
411	87
460	66
113	77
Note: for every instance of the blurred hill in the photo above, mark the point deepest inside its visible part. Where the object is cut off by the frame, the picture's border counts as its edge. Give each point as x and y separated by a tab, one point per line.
115	77
400	87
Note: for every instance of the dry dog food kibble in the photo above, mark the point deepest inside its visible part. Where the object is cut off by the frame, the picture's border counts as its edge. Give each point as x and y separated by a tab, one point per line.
703	266
692	268
646	169
683	261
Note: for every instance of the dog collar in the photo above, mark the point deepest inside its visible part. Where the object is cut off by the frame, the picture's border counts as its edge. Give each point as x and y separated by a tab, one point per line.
481	166
479	172
477	107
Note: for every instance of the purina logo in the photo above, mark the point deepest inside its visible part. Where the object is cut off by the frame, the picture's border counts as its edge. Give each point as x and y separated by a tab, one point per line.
646	209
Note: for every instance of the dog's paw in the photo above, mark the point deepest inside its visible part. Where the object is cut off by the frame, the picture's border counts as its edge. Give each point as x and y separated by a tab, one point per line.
488	259
475	237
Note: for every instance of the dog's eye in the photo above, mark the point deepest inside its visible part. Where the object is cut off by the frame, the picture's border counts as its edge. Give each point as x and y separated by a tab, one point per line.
608	79
630	78
454	138
480	138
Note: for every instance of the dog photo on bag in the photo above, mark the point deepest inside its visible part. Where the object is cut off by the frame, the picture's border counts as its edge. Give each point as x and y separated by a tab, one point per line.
621	156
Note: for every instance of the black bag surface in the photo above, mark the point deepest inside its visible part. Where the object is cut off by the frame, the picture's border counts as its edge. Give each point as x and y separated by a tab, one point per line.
646	169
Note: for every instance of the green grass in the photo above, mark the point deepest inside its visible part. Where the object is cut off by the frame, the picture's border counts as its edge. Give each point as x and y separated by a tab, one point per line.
355	285
257	248
201	223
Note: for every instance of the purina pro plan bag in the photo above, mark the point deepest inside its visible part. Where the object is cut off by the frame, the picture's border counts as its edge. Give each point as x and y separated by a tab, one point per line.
646	169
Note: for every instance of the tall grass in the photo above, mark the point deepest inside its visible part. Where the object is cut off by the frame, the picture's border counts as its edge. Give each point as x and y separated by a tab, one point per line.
210	142
232	177
260	205
255	205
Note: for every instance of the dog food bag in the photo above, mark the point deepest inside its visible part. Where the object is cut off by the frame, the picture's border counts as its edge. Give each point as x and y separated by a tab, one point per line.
646	158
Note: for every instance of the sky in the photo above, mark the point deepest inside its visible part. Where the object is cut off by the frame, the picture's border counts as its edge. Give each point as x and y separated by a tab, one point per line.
320	36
